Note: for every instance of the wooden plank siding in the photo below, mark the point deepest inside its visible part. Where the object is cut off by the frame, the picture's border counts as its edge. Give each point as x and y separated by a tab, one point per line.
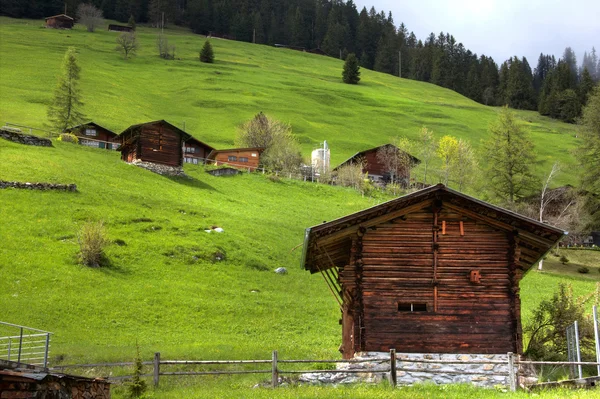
246	158
160	144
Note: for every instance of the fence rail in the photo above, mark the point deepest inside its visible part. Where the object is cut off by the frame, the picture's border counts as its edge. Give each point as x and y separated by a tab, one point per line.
24	344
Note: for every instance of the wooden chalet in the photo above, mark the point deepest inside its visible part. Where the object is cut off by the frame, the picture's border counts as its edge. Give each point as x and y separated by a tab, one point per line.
157	141
93	135
375	168
435	271
119	28
247	158
195	151
60	21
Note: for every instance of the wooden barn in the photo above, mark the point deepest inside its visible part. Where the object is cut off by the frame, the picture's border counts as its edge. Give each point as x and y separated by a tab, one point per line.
157	141
93	135
60	21
247	158
435	271
119	28
195	151
376	168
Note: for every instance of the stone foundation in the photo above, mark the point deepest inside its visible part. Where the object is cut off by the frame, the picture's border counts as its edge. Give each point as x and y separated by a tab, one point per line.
410	371
24	138
38	186
164	170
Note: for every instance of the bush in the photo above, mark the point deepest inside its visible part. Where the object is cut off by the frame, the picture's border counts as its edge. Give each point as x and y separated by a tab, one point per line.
207	54
583	270
564	260
92	241
136	387
68	138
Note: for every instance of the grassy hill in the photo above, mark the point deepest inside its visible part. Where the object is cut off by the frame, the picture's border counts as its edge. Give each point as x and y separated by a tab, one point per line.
214	99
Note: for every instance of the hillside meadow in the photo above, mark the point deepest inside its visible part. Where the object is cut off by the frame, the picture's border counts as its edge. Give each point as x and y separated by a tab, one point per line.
213	100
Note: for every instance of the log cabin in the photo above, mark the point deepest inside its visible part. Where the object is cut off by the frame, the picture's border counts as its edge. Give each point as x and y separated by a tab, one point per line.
93	135
157	141
376	168
247	158
60	21
195	151
435	271
119	28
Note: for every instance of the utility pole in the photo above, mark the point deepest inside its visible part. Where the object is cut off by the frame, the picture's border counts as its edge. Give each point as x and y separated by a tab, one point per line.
254	36
400	63
162	24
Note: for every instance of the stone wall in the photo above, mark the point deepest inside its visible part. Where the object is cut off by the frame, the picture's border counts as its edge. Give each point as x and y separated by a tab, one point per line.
223	172
25	138
164	170
410	371
37	186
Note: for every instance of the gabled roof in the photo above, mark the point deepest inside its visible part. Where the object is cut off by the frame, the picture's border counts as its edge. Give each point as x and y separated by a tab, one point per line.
334	237
214	153
61	16
198	142
91	124
415	160
186	136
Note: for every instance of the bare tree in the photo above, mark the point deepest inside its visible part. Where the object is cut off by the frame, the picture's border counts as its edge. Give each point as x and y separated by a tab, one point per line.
547	197
127	44
90	16
397	161
165	50
351	175
465	164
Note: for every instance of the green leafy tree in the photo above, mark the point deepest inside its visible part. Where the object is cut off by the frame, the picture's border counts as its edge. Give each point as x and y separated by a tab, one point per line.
65	109
351	72
127	44
427	147
207	54
447	151
465	164
510	157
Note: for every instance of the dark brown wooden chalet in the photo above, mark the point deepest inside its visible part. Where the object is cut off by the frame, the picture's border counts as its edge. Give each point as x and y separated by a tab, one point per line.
119	28
435	271
376	169
195	151
93	135
247	158
157	141
60	21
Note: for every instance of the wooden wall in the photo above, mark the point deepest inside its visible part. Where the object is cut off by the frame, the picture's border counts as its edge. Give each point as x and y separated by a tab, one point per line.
59	23
160	144
222	157
410	260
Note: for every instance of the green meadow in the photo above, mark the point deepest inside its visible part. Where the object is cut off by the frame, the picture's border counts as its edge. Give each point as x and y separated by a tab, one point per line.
169	285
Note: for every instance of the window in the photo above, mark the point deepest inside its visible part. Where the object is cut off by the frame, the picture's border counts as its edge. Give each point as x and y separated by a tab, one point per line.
232	158
89	143
412	307
90	132
191	160
190	149
243	159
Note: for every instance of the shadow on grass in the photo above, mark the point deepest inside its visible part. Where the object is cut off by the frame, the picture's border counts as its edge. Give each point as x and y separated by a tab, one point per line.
190	182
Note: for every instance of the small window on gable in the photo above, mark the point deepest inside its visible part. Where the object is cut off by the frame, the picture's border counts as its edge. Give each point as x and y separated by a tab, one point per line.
232	158
90	132
412	307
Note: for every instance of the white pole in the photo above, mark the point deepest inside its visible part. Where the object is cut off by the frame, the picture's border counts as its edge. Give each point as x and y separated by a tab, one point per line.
597	336
578	350
399	64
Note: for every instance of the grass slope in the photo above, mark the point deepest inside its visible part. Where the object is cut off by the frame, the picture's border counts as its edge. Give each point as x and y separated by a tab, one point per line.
214	99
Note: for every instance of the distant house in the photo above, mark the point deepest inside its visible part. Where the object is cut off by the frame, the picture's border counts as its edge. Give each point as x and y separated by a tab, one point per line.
247	158
93	135
195	151
60	21
374	166
157	142
592	239
119	28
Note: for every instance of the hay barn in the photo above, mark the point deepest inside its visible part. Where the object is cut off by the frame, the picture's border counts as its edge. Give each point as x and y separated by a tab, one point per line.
247	158
60	21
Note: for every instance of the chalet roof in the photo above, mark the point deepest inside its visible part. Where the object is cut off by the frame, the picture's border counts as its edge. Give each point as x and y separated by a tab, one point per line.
198	142
91	124
214	153
186	136
61	16
415	160
328	245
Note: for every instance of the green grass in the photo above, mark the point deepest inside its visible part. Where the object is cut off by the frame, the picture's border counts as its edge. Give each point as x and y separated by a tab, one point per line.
164	288
214	99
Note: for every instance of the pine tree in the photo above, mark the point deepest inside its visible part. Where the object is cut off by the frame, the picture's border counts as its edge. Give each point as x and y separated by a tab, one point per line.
589	151
207	54
510	157
351	72
586	85
131	22
65	109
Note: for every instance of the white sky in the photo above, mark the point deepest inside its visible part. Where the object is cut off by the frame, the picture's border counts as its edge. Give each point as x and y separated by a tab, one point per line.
504	28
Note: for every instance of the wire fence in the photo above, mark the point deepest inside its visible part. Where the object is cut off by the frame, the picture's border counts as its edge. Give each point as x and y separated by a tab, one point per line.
23	344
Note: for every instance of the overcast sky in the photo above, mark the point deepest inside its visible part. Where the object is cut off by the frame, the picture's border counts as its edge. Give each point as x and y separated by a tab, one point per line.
503	28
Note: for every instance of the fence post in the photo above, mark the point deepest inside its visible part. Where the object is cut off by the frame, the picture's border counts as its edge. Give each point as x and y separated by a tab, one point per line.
393	373
579	368
46	350
512	378
156	368
274	372
597	337
20	346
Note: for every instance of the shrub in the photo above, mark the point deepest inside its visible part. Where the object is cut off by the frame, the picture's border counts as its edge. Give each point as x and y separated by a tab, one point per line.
564	260
207	54
92	241
583	270
68	138
136	387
